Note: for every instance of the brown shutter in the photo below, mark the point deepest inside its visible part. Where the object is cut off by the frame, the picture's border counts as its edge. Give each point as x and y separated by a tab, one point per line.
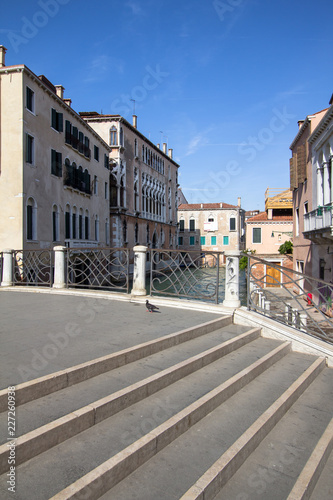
292	174
301	164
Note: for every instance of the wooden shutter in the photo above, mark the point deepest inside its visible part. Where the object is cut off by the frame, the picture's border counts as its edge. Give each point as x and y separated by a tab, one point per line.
293	184
301	164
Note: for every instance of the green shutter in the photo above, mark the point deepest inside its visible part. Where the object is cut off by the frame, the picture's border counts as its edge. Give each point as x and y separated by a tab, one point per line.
54	119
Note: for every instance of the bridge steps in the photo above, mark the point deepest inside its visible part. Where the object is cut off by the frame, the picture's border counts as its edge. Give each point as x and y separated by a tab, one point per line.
134	431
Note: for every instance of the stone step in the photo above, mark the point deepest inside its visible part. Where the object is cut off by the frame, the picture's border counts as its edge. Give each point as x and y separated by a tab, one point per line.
273	468
42	438
316	479
52	406
130	437
324	487
48	384
225	435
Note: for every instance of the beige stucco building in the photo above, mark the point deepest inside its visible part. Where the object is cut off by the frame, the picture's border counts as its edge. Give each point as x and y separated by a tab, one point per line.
211	227
268	230
54	168
143	184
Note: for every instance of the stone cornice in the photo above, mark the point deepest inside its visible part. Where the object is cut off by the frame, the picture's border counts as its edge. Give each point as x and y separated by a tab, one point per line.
322	125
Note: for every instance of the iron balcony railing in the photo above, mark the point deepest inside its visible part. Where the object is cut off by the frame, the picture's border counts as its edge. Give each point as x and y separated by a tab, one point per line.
290	297
100	268
33	267
320	218
190	274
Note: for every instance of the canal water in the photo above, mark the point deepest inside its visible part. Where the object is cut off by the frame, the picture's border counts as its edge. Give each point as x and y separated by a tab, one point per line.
195	284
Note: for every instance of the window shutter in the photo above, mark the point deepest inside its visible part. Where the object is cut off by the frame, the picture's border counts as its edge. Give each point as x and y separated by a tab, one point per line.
60	122
53	162
29	222
293	184
68	132
54	119
301	164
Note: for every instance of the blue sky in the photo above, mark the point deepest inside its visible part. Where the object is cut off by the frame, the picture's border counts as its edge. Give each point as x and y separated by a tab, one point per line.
223	82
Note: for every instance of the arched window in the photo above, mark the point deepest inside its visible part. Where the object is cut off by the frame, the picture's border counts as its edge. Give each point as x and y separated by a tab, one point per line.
96	228
74	223
121	137
31	219
55	223
124	232
136	152
113	136
107	232
81	224
86	225
67	222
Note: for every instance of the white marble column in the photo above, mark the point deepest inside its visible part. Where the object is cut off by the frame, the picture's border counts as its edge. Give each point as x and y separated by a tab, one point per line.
59	267
232	279
139	271
7	267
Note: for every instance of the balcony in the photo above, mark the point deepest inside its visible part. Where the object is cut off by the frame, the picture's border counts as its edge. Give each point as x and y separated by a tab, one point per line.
318	224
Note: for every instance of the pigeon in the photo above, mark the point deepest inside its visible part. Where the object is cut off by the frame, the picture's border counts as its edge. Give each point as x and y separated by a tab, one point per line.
150	307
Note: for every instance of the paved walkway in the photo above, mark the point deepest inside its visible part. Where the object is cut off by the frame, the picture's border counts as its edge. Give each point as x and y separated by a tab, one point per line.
41	333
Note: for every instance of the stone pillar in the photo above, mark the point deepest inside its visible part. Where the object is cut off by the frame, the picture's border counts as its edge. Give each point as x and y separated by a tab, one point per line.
139	270
7	267
231	298
59	267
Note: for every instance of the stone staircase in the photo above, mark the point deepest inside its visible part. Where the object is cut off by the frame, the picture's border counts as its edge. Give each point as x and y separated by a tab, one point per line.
213	411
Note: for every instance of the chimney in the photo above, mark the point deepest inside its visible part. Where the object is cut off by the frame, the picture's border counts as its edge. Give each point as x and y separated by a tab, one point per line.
221	205
170	153
60	91
239	201
300	123
159	146
3	51
135	121
201	205
68	102
164	147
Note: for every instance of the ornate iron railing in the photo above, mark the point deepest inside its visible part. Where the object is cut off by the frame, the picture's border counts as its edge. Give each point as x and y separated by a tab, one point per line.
290	297
33	267
103	268
188	274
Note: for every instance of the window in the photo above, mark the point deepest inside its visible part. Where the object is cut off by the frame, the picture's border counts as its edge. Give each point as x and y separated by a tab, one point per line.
192	225
225	240
30	149
181	225
31	219
192	240
86	147
202	240
57	120
256	235
74	235
232	224
213	240
81	143
30	100
180	241
95	184
80	224
106	161
106	190
136	151
68	132
113	136
67	223
306	208
56	163
86	227
96	229
75	137
107	232
55	224
121	137
297	222
96	153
